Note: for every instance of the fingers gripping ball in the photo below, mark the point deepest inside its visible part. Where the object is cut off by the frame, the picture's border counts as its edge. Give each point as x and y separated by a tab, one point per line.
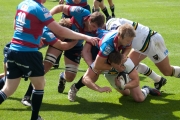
123	78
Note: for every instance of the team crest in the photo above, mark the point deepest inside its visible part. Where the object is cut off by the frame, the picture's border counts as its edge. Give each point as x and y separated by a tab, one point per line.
24	7
156	57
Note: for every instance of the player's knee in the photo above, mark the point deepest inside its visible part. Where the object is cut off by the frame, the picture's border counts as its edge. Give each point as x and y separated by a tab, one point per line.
70	72
50	58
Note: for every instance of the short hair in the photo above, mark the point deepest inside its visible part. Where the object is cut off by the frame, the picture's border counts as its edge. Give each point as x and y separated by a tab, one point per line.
126	30
97	18
65	22
115	57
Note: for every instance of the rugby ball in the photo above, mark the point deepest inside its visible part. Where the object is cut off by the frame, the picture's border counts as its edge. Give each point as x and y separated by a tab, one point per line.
123	78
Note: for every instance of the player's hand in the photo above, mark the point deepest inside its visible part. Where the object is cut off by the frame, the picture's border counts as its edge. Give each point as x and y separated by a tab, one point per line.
61	1
117	82
93	40
105	89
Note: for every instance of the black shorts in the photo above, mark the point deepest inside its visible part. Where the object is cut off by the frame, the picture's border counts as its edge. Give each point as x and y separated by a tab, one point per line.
6	48
28	64
74	53
87	7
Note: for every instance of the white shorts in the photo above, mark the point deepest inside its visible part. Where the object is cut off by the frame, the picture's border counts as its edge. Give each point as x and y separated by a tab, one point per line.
111	79
157	50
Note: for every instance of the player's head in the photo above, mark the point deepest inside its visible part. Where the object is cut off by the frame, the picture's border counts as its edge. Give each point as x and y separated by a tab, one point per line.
76	1
65	22
96	20
115	57
126	33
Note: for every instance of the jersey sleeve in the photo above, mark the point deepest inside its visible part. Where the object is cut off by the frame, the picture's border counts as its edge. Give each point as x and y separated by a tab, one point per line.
44	15
50	38
105	49
78	12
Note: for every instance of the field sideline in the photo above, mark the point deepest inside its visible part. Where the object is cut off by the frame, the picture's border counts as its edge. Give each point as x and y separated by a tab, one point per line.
162	16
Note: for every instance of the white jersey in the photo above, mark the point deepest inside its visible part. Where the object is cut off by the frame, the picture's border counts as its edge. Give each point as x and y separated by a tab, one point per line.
141	41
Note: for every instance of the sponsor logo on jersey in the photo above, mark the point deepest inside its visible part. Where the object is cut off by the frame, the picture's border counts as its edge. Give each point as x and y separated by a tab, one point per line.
76	9
51	35
47	15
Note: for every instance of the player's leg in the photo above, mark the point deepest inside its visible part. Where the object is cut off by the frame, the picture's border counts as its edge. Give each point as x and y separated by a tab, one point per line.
104	10
72	59
137	57
37	95
159	55
95	6
145	70
112	7
84	80
38	82
51	57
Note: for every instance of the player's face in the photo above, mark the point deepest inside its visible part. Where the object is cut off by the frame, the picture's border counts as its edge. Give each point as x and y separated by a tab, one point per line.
76	1
126	41
92	27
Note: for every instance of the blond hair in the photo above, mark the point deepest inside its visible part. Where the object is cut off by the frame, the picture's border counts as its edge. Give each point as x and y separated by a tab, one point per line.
126	30
65	22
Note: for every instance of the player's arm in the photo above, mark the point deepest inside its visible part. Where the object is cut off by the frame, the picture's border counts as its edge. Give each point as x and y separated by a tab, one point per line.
67	33
100	64
134	80
86	53
59	9
127	50
64	45
89	80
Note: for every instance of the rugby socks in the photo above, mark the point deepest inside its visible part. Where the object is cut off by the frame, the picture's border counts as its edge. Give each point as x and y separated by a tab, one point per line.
79	84
37	96
112	10
176	71
145	70
29	90
3	96
105	11
2	82
145	91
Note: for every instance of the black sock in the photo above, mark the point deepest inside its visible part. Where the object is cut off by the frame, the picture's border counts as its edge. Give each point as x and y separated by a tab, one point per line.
112	10
2	82
2	96
105	11
79	84
29	90
37	96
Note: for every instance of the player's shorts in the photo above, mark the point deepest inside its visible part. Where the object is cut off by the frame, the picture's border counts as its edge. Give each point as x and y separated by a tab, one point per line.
74	53
157	50
28	64
87	7
111	79
6	48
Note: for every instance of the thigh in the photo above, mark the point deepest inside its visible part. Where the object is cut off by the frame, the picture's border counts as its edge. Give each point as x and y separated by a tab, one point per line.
38	82
136	57
10	86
